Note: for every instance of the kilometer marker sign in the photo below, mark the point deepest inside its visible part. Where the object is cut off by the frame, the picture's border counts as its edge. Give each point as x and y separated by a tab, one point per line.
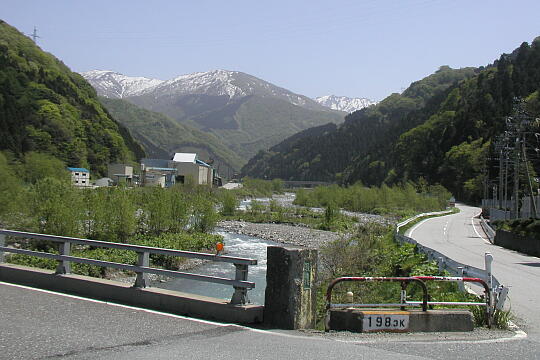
392	321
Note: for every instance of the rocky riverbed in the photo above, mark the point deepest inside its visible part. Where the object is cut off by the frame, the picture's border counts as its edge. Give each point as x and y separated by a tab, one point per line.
281	233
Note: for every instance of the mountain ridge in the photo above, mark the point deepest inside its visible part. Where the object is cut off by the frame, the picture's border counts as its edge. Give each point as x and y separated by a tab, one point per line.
235	84
114	85
246	113
344	103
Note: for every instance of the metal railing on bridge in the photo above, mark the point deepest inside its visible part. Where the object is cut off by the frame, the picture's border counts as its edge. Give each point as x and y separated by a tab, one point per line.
142	268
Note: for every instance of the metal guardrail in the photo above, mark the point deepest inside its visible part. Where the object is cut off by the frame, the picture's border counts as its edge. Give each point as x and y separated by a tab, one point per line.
142	269
487	293
403	280
488	230
498	291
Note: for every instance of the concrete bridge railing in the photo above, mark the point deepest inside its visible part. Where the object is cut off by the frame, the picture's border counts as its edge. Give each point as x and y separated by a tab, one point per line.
142	269
290	287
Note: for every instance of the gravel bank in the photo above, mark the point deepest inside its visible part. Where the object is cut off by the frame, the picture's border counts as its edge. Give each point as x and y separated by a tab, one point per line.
285	234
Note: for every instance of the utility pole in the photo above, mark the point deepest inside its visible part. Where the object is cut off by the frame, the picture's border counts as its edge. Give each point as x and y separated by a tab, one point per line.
529	178
501	179
512	147
505	183
516	179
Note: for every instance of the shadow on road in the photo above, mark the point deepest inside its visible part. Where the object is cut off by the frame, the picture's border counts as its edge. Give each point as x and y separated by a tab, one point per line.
533	264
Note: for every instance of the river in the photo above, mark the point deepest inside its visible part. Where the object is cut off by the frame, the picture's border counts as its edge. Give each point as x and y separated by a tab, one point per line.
235	245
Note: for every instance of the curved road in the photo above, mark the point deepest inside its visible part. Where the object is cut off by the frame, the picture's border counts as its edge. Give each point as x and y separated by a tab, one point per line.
460	237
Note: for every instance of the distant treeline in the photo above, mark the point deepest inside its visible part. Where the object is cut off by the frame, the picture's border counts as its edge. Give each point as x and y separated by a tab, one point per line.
397	200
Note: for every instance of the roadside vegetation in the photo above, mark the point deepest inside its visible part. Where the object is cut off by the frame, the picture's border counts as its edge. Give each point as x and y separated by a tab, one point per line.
522	227
372	251
36	196
330	219
399	200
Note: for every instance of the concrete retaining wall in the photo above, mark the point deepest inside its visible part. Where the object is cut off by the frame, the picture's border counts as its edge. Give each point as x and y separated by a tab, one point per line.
152	298
526	245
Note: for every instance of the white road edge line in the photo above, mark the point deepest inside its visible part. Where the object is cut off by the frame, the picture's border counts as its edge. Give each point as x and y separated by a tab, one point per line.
518	333
476	231
207	322
114	304
410	232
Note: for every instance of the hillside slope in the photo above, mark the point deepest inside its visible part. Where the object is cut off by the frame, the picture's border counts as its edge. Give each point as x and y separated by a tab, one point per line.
326	155
439	130
161	136
246	113
44	107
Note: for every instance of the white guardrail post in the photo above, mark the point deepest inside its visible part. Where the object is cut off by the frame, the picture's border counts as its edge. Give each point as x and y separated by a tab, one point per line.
461	284
2	243
494	296
488	259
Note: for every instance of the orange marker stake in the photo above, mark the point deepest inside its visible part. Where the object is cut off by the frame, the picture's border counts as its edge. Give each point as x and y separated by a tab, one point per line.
219	248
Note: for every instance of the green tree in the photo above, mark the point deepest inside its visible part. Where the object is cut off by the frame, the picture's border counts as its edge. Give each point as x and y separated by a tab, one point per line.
37	166
179	209
203	214
10	190
57	207
229	203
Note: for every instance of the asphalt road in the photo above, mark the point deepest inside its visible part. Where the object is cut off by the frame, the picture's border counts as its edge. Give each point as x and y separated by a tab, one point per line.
460	237
36	324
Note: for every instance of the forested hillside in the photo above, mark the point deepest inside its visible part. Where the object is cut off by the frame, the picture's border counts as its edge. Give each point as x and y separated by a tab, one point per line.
438	130
46	108
161	136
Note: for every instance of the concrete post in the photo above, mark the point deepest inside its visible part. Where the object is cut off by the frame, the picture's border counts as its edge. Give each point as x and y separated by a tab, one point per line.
441	264
291	294
64	266
142	278
240	294
461	284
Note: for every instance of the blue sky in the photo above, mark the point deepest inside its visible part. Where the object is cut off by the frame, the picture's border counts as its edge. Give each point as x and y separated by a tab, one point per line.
362	48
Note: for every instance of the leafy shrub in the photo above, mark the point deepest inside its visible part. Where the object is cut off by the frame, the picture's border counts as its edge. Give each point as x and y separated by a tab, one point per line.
229	203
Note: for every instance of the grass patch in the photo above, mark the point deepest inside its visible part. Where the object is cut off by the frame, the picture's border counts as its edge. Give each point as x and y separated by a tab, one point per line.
372	251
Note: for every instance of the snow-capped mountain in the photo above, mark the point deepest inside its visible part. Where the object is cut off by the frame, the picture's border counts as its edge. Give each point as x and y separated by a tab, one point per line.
234	84
116	86
344	103
246	113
